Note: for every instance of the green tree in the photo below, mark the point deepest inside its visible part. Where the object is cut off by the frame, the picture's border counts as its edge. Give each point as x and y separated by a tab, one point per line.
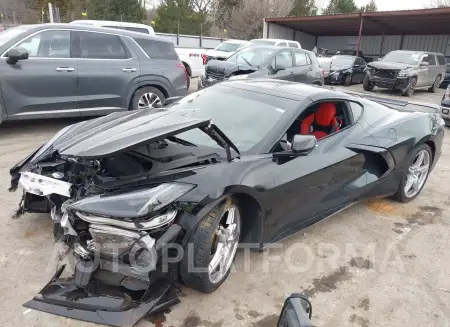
178	15
118	10
340	7
370	7
304	8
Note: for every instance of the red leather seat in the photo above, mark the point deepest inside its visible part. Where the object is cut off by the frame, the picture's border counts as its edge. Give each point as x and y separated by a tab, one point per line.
321	123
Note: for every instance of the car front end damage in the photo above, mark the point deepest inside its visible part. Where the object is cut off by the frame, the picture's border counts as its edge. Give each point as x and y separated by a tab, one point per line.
119	219
394	79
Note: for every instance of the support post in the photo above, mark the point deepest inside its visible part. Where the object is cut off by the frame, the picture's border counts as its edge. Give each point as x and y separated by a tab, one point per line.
361	23
50	12
382	45
401	42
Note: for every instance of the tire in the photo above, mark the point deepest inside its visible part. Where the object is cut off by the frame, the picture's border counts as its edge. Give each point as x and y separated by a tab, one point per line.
200	248
367	86
435	85
401	194
348	80
135	102
188	77
409	91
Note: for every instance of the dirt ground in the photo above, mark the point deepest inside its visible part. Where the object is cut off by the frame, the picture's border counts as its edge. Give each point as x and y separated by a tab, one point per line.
378	263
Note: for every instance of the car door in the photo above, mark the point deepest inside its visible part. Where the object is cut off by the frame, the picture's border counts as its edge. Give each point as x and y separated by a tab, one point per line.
359	70
46	82
424	71
282	66
319	184
107	70
302	67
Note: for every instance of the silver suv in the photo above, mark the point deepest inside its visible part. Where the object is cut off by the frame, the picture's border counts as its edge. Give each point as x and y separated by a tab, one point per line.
62	70
406	71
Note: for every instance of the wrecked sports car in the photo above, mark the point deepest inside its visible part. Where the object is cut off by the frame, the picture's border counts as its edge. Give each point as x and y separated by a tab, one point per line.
145	200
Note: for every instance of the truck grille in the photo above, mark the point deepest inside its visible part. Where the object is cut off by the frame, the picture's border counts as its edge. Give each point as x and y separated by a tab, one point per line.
383	73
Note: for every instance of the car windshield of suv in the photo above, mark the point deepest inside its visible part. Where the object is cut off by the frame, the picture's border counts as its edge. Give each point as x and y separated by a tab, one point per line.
244	116
342	61
409	58
227	47
251	56
11	33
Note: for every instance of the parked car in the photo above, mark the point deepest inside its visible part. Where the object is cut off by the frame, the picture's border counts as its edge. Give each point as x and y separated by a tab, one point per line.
62	70
406	71
224	49
351	52
288	64
445	106
193	59
274	42
446	81
346	70
251	161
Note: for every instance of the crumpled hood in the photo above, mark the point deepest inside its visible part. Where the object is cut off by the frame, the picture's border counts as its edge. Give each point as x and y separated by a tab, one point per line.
227	67
121	131
389	65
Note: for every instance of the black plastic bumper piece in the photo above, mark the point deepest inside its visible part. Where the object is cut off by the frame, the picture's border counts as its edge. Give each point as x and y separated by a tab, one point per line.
103	304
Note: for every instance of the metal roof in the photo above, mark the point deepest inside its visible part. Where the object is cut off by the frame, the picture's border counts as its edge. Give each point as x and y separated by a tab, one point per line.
404	22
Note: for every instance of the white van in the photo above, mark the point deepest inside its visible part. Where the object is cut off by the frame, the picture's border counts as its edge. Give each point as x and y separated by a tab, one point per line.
141	28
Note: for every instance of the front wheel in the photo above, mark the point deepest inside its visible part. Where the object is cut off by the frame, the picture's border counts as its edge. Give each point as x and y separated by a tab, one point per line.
367	85
409	90
211	249
416	175
435	85
348	80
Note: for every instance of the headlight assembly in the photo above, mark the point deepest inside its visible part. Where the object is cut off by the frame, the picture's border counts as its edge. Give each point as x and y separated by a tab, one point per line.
134	204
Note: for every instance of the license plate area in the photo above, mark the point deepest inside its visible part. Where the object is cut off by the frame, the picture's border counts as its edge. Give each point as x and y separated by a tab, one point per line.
43	185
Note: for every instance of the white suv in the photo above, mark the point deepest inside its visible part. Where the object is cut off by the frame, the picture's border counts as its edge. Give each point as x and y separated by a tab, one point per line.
274	42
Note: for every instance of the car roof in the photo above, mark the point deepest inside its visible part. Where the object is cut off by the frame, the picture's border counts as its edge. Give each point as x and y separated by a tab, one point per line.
275	40
108	22
235	41
90	28
287	89
345	56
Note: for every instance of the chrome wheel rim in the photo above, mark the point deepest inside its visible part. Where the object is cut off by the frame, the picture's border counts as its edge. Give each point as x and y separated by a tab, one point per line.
148	101
417	173
412	84
225	244
436	83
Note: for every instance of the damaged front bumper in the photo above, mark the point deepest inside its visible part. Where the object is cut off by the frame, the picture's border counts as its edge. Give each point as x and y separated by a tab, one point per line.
390	83
101	303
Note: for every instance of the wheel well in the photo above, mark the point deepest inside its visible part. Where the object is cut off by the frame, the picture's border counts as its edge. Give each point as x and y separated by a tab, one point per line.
432	147
252	223
188	68
163	91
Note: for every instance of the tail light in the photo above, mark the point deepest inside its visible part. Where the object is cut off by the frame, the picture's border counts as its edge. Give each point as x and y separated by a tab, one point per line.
186	75
205	58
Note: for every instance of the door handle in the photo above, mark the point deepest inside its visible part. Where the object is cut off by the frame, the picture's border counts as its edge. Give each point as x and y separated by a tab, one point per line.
65	69
129	70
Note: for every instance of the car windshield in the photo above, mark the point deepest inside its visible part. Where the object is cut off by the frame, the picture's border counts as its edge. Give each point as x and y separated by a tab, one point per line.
410	58
227	47
244	116
11	33
251	56
342	61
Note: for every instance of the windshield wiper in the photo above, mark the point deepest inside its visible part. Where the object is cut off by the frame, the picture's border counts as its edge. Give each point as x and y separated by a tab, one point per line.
248	62
180	141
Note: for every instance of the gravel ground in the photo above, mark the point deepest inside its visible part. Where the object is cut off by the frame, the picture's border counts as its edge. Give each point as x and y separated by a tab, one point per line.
378	263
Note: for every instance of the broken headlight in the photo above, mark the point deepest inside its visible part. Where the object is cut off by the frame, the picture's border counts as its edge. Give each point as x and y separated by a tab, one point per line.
134	204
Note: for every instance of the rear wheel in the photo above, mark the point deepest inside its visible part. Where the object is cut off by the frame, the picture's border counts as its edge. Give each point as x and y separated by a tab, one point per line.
435	85
147	97
416	175
367	85
212	247
409	91
348	80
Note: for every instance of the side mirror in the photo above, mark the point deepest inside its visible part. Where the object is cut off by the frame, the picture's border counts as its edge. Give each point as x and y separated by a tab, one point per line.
16	54
424	64
303	144
296	312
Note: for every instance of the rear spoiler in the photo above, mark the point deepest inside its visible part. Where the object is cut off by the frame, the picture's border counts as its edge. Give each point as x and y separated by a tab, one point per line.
399	104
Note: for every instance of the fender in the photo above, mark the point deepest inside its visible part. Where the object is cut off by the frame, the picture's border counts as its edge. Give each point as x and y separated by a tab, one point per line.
160	81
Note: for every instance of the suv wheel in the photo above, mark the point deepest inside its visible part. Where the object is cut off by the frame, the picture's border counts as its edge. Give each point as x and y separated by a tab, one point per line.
435	85
348	80
409	91
367	86
147	97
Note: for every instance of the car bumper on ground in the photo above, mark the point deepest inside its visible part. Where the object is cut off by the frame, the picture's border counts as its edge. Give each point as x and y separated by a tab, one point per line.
390	83
334	78
207	81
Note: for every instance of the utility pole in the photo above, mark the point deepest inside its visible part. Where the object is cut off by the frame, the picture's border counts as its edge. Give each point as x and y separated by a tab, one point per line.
50	12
